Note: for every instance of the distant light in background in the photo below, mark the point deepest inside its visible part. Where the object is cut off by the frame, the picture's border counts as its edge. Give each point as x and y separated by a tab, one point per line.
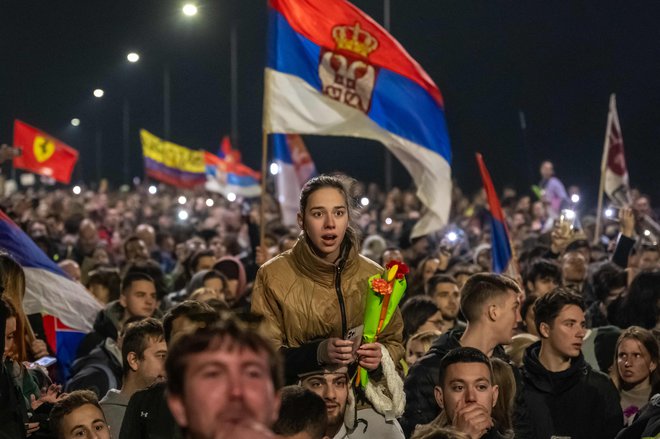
209	202
575	198
274	168
183	215
452	236
77	190
647	233
364	201
231	196
98	93
133	57
189	9
609	212
75	122
182	200
388	221
153	189
569	214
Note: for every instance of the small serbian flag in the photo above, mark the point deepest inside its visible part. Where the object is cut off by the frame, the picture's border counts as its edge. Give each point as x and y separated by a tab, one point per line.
228	177
43	154
68	308
500	244
333	71
295	167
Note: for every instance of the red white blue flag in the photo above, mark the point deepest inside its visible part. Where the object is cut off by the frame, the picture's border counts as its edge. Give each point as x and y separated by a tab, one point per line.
500	244
332	70
50	292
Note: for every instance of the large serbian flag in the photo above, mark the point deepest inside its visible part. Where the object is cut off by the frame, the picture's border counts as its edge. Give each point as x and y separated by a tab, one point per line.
613	167
171	163
42	153
68	309
294	168
332	70
500	244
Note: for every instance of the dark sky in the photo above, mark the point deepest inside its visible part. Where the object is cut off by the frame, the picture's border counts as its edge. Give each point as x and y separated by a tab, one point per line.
555	61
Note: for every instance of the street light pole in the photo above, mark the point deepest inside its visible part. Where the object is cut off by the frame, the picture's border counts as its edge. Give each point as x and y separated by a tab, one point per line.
126	131
166	101
233	77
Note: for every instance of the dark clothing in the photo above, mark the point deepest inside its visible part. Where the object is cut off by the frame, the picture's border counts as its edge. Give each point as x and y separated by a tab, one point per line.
148	416
12	409
577	403
421	406
106	325
99	372
647	422
624	246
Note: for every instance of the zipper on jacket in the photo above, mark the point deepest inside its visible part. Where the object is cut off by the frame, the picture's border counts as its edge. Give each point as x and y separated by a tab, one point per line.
340	298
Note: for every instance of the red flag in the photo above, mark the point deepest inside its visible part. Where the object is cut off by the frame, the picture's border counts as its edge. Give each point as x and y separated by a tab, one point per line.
227	152
43	154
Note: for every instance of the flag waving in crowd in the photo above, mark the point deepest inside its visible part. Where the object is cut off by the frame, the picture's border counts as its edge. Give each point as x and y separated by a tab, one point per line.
295	167
332	70
500	245
43	154
613	168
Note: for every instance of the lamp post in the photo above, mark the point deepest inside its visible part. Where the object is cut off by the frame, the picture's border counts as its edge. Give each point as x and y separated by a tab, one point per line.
98	140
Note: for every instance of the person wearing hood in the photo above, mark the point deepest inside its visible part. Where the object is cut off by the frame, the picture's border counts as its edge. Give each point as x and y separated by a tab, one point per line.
235	292
564	396
212	279
313	296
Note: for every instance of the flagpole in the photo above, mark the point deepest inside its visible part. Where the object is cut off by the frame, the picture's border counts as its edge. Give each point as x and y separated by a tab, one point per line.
264	165
603	166
388	154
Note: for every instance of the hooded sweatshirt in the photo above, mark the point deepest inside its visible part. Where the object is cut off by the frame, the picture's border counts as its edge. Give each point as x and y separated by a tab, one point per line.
577	403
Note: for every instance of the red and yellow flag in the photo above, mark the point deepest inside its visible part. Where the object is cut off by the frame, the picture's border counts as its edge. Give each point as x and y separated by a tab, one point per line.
43	154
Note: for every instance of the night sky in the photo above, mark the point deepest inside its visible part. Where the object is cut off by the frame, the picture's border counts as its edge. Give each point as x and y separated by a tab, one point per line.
556	62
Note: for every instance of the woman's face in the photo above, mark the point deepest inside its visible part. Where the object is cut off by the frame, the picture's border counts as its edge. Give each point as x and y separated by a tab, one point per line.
429	268
414	351
325	221
433	323
634	362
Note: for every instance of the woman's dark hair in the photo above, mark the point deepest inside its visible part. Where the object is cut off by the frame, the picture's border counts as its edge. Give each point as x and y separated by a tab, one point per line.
608	277
640	308
415	313
343	185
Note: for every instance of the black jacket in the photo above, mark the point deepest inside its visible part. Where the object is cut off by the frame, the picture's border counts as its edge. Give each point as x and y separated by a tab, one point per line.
12	407
579	403
421	407
99	372
147	416
646	423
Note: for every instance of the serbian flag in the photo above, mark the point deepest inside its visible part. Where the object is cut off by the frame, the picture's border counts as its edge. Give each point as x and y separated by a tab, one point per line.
294	168
227	152
500	244
42	153
228	177
68	308
613	167
332	70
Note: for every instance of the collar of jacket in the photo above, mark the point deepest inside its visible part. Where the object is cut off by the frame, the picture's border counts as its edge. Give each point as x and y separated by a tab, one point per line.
320	270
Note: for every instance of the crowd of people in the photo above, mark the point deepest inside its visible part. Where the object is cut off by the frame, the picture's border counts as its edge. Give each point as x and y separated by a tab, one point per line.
208	332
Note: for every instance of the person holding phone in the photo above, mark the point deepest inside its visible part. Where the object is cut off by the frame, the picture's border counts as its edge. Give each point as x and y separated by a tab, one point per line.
313	295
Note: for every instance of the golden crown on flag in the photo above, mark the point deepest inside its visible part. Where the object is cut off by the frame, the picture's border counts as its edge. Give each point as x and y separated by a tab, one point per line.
354	39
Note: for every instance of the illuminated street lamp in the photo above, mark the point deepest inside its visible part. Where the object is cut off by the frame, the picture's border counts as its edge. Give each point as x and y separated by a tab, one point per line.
133	57
75	122
98	93
189	9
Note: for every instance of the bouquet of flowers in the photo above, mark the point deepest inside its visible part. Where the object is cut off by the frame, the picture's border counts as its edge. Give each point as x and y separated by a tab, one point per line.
383	297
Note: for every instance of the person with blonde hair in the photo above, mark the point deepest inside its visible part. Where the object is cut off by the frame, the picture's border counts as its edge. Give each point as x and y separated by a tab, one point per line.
635	373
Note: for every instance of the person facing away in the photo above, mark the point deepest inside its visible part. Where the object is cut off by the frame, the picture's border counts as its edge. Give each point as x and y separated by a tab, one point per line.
143	356
564	396
302	414
491	306
224	381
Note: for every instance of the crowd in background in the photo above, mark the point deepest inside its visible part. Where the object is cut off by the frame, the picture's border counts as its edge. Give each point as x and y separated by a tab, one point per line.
153	254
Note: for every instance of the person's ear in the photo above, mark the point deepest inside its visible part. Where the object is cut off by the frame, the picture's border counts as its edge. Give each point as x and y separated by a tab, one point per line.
530	286
133	361
496	393
122	300
439	398
177	409
277	402
652	366
544	330
301	223
492	312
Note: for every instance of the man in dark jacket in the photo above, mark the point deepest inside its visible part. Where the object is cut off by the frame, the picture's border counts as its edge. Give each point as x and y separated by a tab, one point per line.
490	304
147	415
564	396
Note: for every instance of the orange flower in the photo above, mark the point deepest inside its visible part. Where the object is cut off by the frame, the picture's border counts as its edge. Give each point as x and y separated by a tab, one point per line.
381	286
